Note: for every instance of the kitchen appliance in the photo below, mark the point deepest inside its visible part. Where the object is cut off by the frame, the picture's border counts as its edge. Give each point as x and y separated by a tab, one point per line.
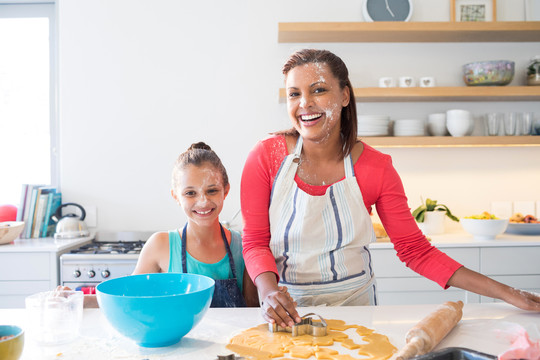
110	255
70	226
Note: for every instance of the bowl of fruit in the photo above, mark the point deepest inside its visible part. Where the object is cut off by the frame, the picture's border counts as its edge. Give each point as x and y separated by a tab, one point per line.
485	226
523	225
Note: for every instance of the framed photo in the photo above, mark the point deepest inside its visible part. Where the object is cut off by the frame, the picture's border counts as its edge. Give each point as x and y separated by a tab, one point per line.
473	10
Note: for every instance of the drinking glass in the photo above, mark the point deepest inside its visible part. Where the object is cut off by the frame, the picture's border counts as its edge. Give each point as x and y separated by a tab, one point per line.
493	121
510	122
54	317
526	123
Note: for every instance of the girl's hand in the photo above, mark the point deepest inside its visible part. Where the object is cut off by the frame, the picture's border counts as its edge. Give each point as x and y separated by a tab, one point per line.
278	307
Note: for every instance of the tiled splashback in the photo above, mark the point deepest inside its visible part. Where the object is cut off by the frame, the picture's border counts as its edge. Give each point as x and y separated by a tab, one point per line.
505	209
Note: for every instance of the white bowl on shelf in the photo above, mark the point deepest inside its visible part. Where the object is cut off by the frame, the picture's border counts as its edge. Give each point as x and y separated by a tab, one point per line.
484	229
459	122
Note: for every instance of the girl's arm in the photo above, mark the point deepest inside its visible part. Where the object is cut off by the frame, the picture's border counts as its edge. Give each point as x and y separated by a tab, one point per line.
250	291
154	257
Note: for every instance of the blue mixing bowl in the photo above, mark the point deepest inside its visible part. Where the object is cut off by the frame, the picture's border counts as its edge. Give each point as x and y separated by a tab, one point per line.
155	310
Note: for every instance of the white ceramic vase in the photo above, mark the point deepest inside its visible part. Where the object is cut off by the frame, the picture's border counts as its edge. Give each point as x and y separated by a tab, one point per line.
433	223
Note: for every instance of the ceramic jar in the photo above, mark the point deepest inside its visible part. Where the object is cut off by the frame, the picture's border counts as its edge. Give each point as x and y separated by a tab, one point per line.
533	71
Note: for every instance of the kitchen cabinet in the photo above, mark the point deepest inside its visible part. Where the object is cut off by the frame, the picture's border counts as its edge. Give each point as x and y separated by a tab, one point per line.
350	32
28	266
511	259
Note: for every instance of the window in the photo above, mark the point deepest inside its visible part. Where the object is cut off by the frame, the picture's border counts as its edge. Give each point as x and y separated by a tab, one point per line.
27	98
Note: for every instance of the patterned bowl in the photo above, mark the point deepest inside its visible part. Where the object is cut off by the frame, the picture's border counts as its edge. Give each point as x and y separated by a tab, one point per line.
482	73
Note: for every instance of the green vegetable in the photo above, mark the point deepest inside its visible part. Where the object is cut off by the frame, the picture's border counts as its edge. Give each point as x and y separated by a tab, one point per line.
431	205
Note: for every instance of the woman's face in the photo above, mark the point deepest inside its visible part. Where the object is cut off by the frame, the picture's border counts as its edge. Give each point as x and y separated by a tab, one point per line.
315	100
201	193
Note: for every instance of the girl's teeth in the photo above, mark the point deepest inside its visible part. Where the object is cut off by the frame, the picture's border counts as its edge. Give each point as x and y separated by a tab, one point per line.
203	212
310	117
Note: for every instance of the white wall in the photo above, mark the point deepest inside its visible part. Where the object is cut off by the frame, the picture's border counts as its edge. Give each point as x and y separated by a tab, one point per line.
139	81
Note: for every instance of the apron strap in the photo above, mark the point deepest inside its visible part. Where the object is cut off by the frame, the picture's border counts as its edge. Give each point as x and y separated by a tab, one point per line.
298	147
184	257
349	166
225	242
228	248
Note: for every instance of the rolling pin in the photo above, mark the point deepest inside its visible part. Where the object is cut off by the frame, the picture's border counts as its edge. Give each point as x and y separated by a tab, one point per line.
425	335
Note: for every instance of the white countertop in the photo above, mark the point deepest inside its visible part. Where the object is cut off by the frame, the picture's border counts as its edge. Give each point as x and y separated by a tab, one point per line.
484	327
47	244
463	239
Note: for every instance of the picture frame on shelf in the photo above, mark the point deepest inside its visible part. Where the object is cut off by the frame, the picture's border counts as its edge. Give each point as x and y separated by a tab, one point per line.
473	10
532	10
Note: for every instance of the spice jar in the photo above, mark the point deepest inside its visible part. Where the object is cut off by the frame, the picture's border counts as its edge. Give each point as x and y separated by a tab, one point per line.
533	71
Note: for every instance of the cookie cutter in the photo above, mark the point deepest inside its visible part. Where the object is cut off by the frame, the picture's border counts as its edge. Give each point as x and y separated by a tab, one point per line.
305	327
230	357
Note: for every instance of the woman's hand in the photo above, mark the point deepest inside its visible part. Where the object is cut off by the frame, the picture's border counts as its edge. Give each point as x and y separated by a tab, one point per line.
523	299
469	280
277	305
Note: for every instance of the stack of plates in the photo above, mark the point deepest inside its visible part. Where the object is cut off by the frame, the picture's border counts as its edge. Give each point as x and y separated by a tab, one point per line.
373	125
409	127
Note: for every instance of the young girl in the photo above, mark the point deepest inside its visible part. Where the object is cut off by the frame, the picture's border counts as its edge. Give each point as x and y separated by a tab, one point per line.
200	186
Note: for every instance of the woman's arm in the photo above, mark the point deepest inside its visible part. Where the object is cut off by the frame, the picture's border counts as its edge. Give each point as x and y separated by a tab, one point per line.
256	186
472	281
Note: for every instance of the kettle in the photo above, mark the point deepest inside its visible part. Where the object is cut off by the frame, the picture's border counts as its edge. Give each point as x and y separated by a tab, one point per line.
70	226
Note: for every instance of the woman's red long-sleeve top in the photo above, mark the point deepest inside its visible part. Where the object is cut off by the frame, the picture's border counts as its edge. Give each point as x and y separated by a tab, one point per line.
380	185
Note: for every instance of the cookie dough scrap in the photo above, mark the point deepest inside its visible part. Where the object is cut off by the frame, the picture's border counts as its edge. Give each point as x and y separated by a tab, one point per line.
378	347
258	343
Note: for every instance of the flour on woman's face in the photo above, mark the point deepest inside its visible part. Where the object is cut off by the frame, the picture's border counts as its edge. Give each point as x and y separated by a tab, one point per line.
314	101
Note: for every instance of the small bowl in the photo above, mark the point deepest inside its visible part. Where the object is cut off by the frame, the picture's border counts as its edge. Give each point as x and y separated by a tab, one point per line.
488	73
11	348
484	229
9	230
155	310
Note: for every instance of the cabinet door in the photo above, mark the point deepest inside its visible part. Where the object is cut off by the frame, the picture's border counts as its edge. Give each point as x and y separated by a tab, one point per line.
517	260
387	264
13	293
398	285
418	290
25	266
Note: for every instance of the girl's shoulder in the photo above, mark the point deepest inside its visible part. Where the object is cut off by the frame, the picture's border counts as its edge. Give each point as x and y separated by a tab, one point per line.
236	238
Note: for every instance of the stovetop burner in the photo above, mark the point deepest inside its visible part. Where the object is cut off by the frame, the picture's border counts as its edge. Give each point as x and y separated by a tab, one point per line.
113	247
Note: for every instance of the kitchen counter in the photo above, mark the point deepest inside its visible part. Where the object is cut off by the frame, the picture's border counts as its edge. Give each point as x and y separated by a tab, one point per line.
484	327
47	244
463	239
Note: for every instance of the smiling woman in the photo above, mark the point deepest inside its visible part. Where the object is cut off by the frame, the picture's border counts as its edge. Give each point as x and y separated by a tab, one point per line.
26	97
306	195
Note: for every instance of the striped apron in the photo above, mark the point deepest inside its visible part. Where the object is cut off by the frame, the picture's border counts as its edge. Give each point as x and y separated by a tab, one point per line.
320	243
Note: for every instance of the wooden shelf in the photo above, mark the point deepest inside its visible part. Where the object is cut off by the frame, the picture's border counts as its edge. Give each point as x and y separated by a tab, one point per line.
450	141
393	31
439	93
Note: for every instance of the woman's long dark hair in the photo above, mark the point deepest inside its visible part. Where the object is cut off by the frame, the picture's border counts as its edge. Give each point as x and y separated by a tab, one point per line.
339	70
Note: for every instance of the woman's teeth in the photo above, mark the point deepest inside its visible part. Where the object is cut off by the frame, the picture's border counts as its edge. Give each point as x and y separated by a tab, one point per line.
310	117
203	212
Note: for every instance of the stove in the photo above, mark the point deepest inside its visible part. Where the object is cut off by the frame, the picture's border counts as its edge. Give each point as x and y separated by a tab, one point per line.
110	255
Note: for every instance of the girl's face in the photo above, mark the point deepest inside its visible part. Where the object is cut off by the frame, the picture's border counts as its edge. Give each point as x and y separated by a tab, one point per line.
201	193
315	100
